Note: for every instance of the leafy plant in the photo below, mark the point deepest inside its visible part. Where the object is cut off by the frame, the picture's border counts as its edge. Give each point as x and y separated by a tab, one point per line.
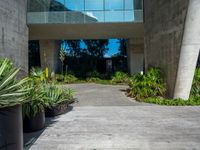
94	74
120	78
196	84
62	57
11	91
70	78
56	95
147	85
93	79
193	101
37	100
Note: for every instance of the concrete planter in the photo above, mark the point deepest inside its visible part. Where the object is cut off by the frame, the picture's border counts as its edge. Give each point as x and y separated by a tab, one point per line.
58	110
35	123
11	133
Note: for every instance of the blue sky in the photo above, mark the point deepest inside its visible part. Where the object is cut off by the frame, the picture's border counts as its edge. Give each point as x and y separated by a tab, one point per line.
113	47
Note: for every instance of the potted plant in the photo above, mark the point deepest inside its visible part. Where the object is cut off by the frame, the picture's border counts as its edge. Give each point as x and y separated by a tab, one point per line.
33	110
58	100
12	95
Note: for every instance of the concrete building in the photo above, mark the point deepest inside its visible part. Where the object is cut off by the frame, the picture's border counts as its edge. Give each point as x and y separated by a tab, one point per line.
166	35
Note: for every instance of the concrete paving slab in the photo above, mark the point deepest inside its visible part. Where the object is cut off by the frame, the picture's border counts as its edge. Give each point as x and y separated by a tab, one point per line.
92	94
123	128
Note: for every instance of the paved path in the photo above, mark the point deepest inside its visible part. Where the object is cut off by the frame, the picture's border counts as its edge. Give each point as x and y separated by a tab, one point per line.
105	119
102	95
123	128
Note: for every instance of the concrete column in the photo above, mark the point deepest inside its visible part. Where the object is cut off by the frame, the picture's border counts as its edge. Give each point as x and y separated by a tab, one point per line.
14	33
189	51
135	55
49	55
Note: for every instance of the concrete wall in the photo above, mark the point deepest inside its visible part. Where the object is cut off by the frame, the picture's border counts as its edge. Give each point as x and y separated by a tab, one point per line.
49	55
14	32
168	25
164	24
136	55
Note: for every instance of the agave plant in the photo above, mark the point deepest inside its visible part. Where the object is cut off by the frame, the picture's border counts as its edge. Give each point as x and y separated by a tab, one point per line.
37	100
56	95
11	91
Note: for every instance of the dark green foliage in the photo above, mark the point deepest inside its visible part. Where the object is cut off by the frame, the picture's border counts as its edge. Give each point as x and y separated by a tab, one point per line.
193	101
147	85
93	79
69	78
94	74
196	83
120	78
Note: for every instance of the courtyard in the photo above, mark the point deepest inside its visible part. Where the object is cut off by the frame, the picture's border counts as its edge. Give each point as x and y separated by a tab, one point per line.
104	118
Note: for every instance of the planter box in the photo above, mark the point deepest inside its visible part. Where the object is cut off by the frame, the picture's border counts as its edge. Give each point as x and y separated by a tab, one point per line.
11	133
58	110
35	123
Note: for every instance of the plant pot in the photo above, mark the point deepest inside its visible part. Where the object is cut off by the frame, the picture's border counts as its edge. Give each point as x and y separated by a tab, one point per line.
35	123
11	133
58	110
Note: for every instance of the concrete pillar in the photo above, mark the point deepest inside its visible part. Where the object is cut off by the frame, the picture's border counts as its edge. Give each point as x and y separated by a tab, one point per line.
49	55
14	33
135	56
189	51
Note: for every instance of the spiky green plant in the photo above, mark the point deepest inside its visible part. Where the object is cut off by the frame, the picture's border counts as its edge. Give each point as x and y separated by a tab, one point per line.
11	91
56	95
37	100
62	57
120	78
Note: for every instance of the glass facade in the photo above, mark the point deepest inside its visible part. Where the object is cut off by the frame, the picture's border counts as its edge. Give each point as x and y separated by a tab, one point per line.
84	11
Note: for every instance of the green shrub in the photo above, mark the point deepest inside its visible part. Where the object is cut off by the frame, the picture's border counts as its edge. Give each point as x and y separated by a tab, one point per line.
196	84
147	85
70	78
93	79
120	78
56	95
94	74
11	91
37	100
193	101
59	77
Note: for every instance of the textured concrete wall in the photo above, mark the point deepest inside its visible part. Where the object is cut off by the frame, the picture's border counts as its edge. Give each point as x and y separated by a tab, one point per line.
164	24
136	55
14	32
49	55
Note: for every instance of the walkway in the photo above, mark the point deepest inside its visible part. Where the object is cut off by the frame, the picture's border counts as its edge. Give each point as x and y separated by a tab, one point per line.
122	127
102	95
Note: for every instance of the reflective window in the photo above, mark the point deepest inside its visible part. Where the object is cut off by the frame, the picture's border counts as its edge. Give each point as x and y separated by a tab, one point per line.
138	4
129	4
74	5
129	16
114	16
94	5
57	5
114	4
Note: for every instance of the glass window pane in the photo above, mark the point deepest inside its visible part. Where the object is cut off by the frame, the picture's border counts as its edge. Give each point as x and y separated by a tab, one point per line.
114	16
74	4
129	16
94	16
129	4
94	5
138	4
57	5
114	4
